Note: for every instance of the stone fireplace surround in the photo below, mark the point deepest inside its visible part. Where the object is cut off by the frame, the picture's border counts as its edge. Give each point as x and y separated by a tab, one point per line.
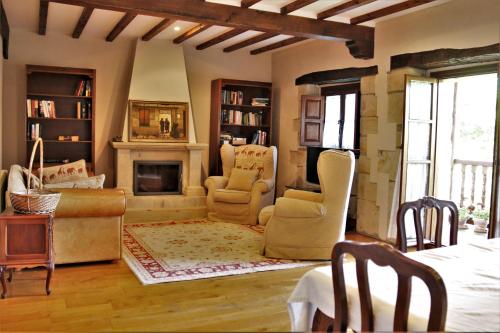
193	194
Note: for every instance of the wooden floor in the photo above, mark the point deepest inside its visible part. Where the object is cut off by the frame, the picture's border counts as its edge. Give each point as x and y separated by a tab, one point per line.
108	297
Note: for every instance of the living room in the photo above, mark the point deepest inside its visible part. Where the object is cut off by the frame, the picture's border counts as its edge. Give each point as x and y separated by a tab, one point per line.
179	58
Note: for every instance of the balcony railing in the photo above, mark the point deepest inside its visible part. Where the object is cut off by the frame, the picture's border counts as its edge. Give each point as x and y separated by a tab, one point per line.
473	182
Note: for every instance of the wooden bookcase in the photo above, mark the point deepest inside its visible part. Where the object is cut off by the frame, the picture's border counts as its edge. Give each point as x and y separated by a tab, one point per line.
60	84
249	90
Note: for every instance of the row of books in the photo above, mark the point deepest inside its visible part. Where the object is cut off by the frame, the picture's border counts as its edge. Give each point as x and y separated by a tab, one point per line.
84	88
35	131
260	101
83	110
232	97
259	138
235	117
40	108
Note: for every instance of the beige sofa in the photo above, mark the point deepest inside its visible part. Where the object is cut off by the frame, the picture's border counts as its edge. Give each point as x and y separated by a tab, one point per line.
242	207
88	222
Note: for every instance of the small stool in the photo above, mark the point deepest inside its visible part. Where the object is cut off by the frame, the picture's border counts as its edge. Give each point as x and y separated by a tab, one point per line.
265	214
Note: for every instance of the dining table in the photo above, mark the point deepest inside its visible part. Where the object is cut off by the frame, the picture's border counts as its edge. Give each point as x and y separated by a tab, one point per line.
470	271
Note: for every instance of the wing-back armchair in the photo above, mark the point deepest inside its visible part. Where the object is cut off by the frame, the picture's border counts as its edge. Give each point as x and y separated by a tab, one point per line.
238	206
306	225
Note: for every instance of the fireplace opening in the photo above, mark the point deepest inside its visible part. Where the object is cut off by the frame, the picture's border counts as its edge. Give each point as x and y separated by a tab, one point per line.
157	177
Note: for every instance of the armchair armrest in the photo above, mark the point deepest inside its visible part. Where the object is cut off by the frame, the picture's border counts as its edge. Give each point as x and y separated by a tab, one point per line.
263	185
216	182
295	208
304	195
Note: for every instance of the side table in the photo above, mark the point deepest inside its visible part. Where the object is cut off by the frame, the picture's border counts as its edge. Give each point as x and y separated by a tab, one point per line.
25	242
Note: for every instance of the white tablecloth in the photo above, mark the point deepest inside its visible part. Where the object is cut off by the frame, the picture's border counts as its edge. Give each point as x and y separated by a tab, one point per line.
471	273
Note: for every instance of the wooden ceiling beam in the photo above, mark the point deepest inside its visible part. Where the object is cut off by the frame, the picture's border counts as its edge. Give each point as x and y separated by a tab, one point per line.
277	45
293	6
250	41
82	22
389	10
248	3
120	26
42	20
349	5
221	38
235	17
191	33
164	24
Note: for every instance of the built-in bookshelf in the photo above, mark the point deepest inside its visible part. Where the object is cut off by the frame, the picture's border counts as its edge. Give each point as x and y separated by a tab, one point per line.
60	108
241	113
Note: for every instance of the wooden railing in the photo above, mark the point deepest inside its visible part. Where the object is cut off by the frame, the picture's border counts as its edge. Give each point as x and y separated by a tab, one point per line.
472	167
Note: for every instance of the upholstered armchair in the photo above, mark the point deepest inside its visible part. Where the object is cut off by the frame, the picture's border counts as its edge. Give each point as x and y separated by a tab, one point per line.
306	225
242	204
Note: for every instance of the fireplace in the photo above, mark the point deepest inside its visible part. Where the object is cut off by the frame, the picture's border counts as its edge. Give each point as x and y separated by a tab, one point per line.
157	177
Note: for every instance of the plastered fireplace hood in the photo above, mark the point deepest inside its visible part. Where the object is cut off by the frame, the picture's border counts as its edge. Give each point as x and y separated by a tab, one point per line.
159	74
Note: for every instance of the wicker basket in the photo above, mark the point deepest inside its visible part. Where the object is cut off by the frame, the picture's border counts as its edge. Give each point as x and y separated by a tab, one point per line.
35	201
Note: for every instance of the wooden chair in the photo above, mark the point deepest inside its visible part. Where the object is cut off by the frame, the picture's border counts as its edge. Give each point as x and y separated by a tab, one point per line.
418	207
384	255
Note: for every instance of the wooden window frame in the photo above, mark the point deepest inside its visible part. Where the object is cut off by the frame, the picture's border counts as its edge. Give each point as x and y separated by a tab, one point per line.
343	90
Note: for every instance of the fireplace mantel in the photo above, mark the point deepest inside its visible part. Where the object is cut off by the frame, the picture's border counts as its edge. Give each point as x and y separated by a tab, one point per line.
189	153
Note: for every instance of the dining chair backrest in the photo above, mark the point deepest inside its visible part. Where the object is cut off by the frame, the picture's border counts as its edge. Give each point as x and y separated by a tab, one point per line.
384	254
418	207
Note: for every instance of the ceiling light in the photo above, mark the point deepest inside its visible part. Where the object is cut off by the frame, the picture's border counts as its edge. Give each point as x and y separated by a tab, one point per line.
177	28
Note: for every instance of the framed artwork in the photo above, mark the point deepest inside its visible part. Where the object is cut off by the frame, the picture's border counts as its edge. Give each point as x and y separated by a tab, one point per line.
158	121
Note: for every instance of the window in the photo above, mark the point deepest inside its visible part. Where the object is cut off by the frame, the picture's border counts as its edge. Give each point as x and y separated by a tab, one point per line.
341	127
332	119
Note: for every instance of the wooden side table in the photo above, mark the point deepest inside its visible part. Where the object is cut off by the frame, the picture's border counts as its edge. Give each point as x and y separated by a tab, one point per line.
25	242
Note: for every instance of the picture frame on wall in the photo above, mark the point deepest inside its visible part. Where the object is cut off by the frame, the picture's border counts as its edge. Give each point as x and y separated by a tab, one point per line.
154	121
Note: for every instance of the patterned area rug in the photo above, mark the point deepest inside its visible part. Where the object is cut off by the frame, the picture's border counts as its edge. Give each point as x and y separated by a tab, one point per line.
196	249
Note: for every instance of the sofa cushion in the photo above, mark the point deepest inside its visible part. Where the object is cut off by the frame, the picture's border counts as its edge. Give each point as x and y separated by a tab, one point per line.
242	180
35	181
90	182
64	173
232	196
16	182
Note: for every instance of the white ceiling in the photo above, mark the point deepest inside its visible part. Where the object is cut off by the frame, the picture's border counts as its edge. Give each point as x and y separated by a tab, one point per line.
23	14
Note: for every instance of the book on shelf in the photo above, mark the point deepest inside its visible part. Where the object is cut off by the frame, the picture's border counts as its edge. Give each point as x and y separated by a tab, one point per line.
259	138
34	131
260	101
236	117
83	110
84	88
40	108
232	97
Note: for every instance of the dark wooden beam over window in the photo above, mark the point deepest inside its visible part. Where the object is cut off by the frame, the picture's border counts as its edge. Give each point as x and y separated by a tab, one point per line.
277	45
219	39
293	6
82	22
164	24
350	74
4	31
447	57
349	5
389	10
120	26
191	32
250	41
43	13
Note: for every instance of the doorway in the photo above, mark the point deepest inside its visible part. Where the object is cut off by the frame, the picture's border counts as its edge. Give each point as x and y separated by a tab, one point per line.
448	150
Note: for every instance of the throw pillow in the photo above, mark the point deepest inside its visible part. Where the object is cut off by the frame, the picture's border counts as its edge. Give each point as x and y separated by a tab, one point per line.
64	173
95	182
241	180
35	181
